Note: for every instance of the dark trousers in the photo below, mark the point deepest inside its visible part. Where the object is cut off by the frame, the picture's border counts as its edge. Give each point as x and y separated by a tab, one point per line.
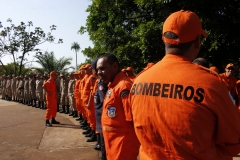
102	146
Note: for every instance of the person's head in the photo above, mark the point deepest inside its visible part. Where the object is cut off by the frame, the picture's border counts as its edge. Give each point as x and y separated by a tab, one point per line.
94	67
229	70
88	69
53	75
182	34
107	67
201	61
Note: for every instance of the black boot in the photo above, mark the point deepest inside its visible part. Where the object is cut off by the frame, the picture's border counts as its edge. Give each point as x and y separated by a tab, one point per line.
87	131
71	114
67	109
35	103
85	127
48	124
93	138
75	115
40	104
97	145
89	134
79	118
63	109
44	105
83	124
26	103
54	121
30	103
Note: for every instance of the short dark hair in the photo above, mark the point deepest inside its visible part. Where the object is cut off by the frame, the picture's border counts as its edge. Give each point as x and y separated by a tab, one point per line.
201	61
181	47
110	58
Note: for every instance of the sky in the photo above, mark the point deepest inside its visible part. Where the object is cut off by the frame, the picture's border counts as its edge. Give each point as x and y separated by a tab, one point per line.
67	15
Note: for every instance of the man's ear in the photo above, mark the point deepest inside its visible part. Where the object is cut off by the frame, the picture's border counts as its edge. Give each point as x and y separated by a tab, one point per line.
115	65
198	42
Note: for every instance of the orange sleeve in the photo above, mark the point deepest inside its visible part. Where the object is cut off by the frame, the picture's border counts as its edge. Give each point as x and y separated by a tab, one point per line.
86	92
126	105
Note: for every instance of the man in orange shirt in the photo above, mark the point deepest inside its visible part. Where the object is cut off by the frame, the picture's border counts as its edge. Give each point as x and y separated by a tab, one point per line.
117	126
229	79
180	110
51	99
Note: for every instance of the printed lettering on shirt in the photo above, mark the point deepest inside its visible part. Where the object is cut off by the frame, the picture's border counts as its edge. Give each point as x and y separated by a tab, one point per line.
111	112
165	90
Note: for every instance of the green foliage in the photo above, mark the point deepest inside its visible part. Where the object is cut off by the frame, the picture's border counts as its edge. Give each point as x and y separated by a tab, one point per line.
9	69
132	30
18	41
49	63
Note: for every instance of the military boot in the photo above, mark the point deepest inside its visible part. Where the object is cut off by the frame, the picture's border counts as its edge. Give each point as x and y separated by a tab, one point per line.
54	121
93	137
48	124
98	144
67	109
63	109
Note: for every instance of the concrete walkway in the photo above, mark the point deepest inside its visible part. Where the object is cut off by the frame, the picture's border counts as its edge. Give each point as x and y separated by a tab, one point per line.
23	136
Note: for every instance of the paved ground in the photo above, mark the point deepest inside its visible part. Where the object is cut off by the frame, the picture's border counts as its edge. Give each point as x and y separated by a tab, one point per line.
23	135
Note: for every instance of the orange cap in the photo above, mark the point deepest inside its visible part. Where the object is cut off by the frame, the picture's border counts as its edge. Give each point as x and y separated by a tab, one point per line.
129	69
213	68
230	65
185	24
87	66
53	73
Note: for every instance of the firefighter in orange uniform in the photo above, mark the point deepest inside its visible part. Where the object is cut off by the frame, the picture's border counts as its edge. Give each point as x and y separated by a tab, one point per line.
89	91
51	99
229	79
77	95
84	97
184	112
117	126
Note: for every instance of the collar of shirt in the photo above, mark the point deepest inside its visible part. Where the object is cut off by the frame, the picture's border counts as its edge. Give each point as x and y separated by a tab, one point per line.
174	57
118	77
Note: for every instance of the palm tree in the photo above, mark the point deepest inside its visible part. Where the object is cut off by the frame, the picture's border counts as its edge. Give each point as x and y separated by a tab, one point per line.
49	62
75	46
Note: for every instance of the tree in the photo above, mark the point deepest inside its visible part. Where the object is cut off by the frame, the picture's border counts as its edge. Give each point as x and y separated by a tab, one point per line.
19	41
76	47
10	69
49	63
132	30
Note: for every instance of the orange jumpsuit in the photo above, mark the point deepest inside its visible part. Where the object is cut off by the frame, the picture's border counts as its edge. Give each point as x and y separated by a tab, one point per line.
119	137
81	90
88	89
183	113
76	96
230	83
51	99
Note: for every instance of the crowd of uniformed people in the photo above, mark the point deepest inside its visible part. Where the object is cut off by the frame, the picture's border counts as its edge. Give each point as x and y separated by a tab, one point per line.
122	113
